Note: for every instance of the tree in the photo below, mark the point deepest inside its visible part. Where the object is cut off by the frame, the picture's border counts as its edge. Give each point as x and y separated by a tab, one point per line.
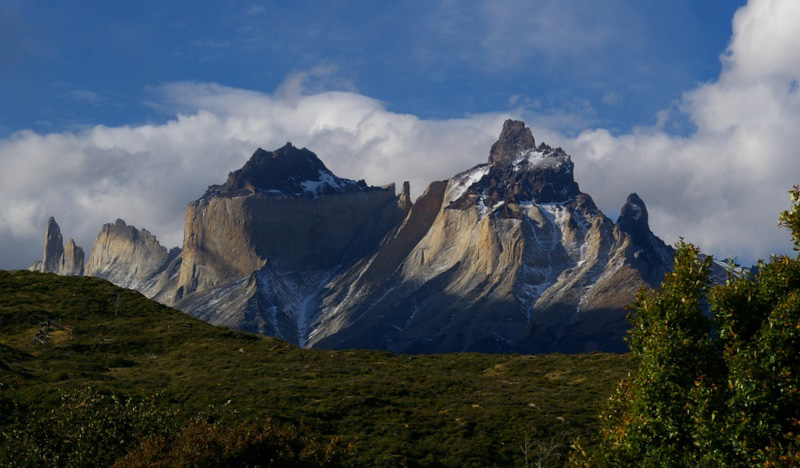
719	391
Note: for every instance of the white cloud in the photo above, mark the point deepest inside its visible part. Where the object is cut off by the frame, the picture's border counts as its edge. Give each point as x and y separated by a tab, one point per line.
147	174
721	186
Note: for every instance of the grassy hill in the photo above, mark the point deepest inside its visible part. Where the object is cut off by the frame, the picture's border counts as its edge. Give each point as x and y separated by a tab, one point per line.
59	335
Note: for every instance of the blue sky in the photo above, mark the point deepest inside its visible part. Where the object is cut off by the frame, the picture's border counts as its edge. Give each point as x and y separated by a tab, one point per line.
612	64
131	109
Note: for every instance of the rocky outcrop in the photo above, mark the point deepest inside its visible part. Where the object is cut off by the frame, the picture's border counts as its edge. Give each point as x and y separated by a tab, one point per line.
257	217
72	260
127	256
53	252
55	257
515	139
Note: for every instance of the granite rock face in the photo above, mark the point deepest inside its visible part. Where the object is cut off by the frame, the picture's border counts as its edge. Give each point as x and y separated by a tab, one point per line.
127	256
259	250
72	260
56	258
53	252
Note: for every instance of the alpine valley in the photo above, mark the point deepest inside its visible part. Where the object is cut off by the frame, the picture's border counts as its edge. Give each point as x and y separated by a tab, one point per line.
508	256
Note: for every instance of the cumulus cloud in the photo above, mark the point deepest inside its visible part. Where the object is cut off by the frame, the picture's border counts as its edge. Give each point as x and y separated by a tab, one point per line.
720	186
147	174
724	184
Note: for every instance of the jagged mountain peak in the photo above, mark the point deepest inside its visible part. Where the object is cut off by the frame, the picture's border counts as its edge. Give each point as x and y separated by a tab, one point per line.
52	225
518	172
55	257
53	246
515	138
633	218
650	254
127	256
286	172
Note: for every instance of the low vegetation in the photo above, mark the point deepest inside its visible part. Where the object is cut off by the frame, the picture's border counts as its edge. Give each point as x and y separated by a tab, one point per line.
93	375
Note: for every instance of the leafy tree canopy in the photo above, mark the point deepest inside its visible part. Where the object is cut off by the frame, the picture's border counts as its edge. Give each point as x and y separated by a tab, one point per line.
711	391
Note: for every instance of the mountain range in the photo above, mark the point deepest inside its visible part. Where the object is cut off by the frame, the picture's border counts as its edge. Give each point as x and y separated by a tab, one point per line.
508	256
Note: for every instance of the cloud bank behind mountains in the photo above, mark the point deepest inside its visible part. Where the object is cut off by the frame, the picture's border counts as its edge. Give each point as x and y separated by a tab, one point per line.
721	186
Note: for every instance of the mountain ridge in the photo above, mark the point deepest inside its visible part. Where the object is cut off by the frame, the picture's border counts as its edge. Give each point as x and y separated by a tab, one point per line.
508	256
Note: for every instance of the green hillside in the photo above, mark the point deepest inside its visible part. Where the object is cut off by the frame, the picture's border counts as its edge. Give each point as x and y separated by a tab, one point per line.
62	335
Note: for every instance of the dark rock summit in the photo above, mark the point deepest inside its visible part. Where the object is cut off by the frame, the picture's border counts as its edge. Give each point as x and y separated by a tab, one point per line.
514	139
287	171
649	250
633	219
53	251
517	172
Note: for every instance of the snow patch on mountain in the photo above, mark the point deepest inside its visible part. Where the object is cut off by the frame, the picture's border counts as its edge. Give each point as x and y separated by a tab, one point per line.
460	183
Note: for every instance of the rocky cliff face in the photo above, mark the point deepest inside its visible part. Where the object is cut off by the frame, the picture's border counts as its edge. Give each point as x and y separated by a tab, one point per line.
55	257
72	260
509	256
128	257
53	252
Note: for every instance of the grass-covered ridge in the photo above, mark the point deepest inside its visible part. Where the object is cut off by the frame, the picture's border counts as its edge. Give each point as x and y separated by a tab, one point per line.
62	334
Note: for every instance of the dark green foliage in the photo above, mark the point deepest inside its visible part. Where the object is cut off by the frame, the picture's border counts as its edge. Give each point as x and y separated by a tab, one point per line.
206	443
790	219
391	410
88	428
724	398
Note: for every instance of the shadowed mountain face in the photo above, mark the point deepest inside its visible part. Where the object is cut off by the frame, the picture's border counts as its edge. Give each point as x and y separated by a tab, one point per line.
507	256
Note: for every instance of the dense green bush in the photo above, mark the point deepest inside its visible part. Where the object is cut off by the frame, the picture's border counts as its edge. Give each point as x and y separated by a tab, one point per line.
206	443
91	428
722	391
88	428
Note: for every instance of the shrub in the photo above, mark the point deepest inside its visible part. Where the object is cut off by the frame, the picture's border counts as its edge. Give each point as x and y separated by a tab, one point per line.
89	428
206	443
